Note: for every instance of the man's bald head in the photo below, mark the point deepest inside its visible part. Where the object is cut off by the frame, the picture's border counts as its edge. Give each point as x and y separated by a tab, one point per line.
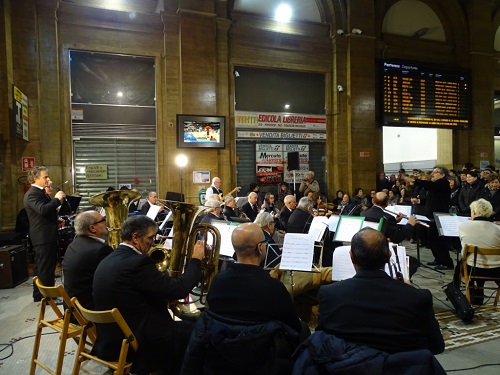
245	239
381	199
369	249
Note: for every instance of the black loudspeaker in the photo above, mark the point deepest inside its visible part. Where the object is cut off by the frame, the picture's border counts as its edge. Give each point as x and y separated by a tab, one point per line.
293	161
13	266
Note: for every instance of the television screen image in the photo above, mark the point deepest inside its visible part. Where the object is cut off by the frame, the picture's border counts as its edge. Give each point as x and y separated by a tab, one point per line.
200	131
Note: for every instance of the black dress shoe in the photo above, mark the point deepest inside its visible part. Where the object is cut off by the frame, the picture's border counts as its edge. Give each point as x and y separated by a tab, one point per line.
37	299
433	263
442	267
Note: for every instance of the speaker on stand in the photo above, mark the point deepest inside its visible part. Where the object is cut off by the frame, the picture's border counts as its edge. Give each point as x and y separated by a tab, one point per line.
293	165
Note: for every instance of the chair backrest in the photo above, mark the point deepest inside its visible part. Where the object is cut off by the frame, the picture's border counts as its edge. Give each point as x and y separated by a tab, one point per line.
108	316
469	250
51	292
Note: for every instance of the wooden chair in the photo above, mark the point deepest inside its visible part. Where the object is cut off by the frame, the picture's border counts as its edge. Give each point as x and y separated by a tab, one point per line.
470	276
61	323
119	367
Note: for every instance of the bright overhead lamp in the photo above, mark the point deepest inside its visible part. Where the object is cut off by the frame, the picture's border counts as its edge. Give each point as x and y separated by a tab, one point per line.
283	13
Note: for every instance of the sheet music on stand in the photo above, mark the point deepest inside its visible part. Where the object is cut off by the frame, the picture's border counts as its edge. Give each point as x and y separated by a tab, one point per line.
226	229
318	227
153	211
448	224
342	267
348	226
298	252
167	218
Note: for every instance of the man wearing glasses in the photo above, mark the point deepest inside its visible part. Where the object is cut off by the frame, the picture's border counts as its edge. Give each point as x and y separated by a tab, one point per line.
129	280
245	291
84	254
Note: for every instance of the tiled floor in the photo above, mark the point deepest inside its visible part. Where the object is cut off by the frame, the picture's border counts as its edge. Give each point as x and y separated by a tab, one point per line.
18	315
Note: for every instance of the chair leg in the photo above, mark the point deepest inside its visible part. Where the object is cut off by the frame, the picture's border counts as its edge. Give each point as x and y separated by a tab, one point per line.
62	345
78	358
38	337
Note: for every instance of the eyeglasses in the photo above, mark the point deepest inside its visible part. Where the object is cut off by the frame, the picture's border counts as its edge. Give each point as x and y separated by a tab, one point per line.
103	220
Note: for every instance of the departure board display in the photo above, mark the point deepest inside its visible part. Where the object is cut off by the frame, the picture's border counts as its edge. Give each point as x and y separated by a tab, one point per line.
425	96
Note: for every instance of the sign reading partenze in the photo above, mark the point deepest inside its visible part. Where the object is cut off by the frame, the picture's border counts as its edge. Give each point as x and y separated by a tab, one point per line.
20	109
96	172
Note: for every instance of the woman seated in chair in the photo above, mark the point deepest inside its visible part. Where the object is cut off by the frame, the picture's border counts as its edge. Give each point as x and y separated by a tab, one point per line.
482	233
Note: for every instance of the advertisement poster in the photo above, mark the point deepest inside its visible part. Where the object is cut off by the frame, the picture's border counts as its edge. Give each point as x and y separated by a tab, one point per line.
271	162
21	116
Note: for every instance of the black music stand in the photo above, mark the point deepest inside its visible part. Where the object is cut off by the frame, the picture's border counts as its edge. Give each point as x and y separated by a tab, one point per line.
70	205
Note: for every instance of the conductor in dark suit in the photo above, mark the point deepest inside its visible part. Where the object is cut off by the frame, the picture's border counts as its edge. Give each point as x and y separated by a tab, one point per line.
394	232
42	215
129	280
375	310
84	254
250	209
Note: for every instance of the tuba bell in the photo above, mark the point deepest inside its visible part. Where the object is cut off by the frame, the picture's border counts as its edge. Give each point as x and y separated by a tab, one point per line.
115	203
185	236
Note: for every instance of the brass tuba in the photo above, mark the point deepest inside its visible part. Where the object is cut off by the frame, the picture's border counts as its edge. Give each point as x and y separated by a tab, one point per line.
115	203
185	236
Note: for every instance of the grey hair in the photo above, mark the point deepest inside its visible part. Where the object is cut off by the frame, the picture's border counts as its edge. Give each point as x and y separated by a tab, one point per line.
263	218
83	221
34	173
305	203
289	198
139	224
482	207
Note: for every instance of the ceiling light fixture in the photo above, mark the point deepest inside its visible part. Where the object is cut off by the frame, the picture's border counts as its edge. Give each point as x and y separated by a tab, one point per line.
283	13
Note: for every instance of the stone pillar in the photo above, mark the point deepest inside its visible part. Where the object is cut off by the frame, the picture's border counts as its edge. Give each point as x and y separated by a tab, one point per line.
356	139
470	145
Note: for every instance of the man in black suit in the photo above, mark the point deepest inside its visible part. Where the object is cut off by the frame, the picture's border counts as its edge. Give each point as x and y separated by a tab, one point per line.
375	310
250	208
42	215
301	218
273	252
438	200
395	233
290	204
84	254
229	205
129	280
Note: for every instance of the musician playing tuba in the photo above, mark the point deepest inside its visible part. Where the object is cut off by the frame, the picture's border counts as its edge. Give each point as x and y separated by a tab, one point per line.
129	280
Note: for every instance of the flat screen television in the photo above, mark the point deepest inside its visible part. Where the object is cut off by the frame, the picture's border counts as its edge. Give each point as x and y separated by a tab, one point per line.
415	94
195	131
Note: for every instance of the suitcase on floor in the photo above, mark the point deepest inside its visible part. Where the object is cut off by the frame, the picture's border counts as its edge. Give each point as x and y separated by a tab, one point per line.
13	266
